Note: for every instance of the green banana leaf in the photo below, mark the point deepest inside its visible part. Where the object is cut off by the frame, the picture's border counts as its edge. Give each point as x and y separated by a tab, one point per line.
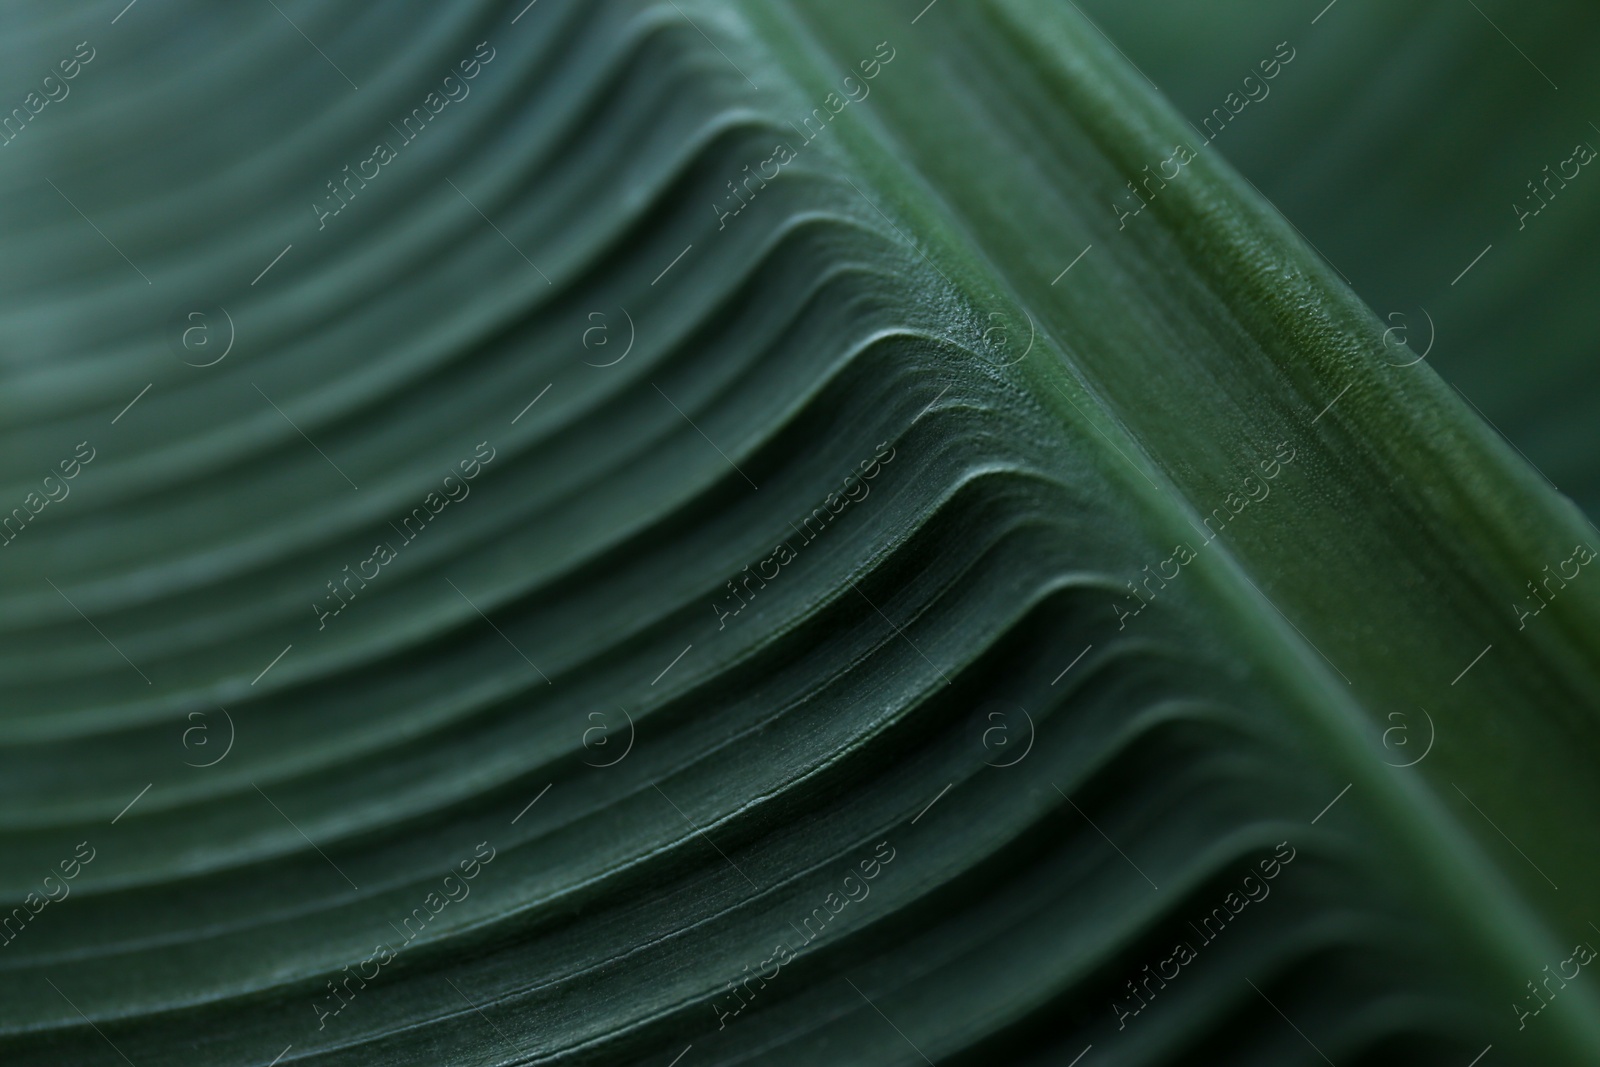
706	532
1403	141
